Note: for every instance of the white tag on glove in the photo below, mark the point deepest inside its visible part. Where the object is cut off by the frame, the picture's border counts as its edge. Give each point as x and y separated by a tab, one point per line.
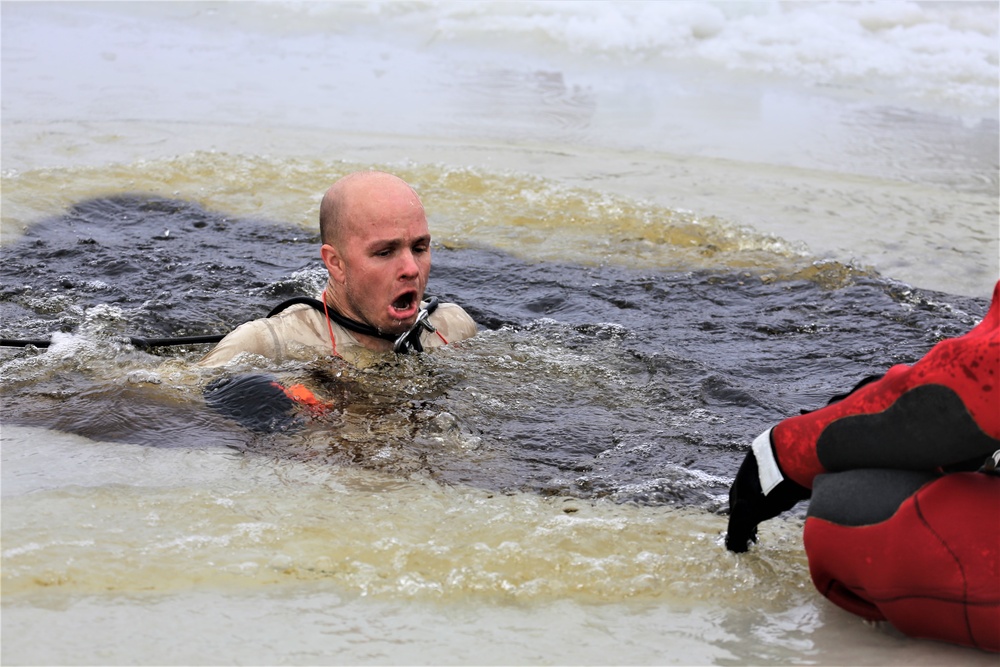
767	467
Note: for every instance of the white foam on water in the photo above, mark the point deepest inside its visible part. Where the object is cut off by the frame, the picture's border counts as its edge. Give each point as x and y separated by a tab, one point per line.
867	131
940	53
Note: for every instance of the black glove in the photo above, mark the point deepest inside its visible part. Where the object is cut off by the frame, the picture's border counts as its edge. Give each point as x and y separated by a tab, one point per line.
257	402
748	505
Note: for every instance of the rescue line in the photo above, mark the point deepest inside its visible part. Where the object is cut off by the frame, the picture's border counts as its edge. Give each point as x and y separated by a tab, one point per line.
402	344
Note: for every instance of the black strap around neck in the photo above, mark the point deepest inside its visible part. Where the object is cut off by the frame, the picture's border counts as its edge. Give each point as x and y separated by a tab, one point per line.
413	339
346	322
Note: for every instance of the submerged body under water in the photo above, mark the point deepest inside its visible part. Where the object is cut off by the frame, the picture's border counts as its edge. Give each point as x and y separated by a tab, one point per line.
585	381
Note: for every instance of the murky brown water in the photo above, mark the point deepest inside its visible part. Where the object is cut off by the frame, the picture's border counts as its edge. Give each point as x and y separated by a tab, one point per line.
663	263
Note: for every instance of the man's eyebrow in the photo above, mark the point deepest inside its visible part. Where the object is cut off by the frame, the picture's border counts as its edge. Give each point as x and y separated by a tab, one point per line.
395	243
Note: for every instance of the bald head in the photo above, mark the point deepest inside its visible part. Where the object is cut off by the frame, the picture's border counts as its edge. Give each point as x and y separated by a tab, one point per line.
376	249
360	197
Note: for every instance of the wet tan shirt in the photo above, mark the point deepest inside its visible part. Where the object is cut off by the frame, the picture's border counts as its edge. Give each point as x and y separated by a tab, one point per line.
300	332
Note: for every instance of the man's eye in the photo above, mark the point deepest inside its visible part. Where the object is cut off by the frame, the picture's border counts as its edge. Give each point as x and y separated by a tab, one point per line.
420	248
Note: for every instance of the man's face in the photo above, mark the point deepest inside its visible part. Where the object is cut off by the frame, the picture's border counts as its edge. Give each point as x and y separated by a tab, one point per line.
386	261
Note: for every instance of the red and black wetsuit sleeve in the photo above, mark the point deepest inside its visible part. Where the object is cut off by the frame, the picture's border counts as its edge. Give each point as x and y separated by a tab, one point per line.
942	412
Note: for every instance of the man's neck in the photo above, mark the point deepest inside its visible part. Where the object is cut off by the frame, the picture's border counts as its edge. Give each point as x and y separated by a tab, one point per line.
336	303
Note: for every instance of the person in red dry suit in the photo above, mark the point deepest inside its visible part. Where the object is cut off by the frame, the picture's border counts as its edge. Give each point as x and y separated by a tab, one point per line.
903	523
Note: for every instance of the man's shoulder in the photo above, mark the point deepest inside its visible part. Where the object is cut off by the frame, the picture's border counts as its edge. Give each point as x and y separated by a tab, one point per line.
453	322
450	307
451	311
296	312
295	332
253	337
300	324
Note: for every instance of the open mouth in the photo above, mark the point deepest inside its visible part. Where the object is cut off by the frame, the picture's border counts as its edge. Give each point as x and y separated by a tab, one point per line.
404	306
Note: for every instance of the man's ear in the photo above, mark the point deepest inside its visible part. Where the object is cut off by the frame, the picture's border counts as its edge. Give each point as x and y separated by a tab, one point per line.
333	262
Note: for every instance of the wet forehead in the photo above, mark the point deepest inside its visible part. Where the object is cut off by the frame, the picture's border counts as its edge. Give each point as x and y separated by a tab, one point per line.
376	202
389	224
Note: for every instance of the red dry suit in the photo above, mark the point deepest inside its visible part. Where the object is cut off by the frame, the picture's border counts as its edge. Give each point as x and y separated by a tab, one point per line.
901	526
930	565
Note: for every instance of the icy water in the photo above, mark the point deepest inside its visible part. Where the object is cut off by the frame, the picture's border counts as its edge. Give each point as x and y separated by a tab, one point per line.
676	224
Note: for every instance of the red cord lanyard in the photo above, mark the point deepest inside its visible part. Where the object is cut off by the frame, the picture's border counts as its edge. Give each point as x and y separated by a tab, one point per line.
329	326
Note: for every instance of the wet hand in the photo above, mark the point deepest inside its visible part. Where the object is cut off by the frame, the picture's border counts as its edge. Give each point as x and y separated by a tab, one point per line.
748	504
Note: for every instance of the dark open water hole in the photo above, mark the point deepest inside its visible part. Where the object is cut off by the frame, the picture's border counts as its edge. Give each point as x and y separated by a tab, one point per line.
588	381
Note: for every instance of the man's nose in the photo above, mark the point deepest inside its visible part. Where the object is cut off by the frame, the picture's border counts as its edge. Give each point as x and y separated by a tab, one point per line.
409	267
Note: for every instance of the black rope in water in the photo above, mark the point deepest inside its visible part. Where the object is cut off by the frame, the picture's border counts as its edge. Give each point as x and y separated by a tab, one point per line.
141	343
410	339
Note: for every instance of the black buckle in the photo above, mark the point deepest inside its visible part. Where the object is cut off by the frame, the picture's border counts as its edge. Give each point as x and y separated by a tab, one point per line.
410	340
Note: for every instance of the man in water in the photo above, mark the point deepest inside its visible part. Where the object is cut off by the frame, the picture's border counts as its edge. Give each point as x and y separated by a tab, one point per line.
377	252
